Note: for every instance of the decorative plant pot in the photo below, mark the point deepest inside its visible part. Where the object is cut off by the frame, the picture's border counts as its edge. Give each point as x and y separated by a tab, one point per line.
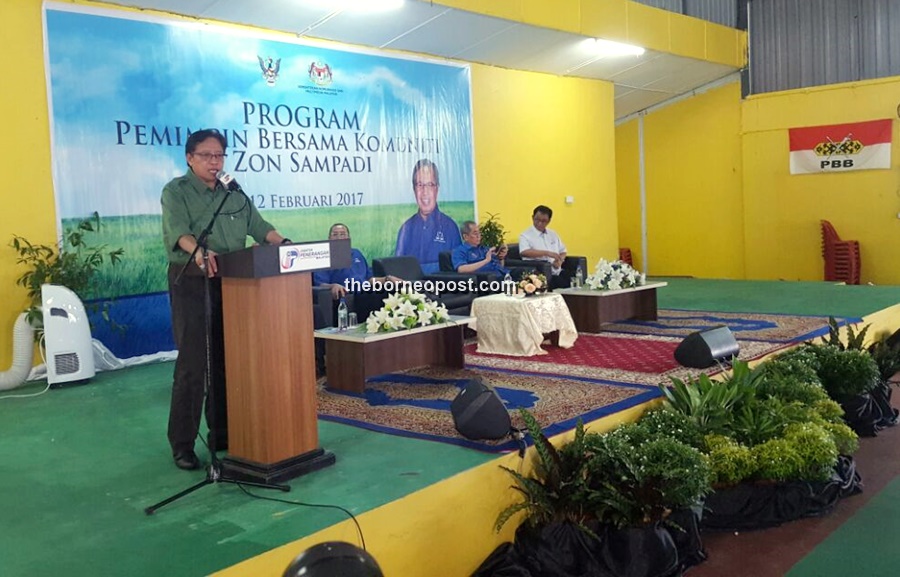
640	552
565	550
863	414
881	395
761	505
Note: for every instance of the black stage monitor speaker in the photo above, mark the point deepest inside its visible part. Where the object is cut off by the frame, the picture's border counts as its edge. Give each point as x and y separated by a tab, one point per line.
704	348
478	413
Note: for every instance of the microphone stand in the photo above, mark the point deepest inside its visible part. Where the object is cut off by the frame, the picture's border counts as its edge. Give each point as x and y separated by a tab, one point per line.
214	473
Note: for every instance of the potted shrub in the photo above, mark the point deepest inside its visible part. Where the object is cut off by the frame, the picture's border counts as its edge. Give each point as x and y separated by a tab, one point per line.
72	263
849	376
885	352
773	440
886	356
599	498
492	232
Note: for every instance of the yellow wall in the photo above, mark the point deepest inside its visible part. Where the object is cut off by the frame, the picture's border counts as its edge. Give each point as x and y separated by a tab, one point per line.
628	190
783	211
24	153
538	139
721	202
694	194
534	133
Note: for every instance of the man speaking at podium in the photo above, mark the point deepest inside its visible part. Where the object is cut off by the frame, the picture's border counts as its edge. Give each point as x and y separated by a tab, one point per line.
188	205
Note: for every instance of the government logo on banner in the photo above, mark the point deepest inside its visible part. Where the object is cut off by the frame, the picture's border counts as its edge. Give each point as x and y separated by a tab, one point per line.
841	147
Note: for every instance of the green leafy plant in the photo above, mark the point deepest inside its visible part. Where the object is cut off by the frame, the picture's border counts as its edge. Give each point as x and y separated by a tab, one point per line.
710	403
828	410
777	460
492	232
554	491
607	478
729	461
758	421
845	439
854	340
72	263
639	485
846	373
816	448
668	424
791	379
886	356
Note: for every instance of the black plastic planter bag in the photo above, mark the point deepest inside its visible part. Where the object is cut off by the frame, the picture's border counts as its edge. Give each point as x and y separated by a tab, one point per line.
758	506
863	415
564	550
881	395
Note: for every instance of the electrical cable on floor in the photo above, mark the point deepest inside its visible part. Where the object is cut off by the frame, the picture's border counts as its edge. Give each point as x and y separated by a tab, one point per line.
359	532
47	388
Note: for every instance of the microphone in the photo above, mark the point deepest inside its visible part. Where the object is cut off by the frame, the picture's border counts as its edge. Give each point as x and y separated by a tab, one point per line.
228	181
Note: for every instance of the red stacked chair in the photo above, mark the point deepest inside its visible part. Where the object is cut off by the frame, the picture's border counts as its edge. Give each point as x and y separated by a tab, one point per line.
625	256
841	256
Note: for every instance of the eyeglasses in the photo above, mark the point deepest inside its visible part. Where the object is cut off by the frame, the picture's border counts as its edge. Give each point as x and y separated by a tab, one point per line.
207	156
426	185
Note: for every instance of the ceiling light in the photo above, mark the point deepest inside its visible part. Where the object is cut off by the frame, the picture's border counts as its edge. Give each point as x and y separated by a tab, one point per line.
356	5
604	48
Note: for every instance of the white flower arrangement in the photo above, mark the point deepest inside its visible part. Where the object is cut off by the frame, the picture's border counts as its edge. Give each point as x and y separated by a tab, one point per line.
614	275
406	310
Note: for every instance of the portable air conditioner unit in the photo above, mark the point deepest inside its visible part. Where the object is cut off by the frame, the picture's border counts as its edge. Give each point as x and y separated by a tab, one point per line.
67	336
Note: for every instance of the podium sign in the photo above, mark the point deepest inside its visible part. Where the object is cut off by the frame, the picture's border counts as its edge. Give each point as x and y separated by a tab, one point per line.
267	314
312	256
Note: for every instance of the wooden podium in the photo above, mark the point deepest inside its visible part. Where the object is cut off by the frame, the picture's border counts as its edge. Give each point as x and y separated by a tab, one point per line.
270	365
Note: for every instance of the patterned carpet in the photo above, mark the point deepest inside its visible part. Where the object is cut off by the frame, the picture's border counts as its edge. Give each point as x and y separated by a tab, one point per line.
771	328
416	403
600	375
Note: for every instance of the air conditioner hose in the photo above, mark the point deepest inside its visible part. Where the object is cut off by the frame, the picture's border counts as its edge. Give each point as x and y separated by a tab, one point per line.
23	355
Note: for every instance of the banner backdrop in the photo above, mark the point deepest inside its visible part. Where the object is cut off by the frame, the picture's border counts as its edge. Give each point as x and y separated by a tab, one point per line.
841	147
315	135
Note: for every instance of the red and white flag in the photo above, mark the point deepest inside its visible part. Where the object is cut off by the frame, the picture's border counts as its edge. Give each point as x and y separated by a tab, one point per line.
841	147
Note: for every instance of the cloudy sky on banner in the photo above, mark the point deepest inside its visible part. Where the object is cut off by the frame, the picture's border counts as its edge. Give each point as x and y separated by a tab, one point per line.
109	76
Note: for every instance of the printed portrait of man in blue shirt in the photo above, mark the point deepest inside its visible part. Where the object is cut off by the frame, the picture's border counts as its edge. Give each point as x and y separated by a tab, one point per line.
429	232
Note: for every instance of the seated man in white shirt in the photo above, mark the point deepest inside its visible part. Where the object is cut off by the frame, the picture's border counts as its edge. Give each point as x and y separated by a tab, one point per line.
541	243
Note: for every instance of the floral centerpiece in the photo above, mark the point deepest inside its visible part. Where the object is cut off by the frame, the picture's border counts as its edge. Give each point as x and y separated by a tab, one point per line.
614	275
533	283
405	310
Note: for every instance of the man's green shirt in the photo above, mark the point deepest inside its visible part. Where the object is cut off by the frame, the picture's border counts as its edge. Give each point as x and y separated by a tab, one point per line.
187	207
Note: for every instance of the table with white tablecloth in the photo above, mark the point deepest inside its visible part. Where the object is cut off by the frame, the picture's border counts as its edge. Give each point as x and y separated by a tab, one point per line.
517	325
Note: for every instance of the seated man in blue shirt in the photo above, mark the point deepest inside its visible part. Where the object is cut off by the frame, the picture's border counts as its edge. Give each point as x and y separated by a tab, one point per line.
471	257
353	279
429	232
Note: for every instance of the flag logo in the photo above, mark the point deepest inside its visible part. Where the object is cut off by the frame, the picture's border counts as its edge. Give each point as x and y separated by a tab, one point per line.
845	147
841	147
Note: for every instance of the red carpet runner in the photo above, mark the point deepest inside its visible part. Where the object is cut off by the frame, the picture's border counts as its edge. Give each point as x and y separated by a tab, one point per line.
608	352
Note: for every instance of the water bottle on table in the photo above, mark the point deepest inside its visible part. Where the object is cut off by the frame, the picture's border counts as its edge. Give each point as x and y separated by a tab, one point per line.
343	317
579	277
508	288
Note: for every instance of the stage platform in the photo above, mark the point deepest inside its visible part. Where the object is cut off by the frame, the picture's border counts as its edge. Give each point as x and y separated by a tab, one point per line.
82	462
